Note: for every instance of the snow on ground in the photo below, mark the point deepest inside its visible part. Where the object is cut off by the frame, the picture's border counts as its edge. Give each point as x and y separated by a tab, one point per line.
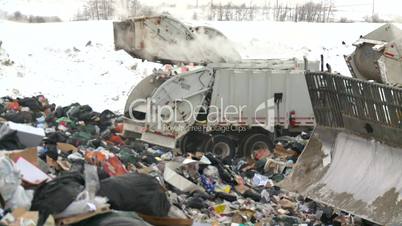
53	59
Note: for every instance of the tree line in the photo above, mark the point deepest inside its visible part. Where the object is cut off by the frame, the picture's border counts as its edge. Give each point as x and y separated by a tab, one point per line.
106	9
20	17
309	12
272	10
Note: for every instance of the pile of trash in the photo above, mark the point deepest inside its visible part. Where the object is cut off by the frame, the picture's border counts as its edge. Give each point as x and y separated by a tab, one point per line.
72	166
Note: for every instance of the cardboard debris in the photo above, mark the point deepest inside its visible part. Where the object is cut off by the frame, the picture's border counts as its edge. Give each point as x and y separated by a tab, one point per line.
177	180
29	154
284	153
145	170
64	165
247	213
283	212
274	166
30	173
81	217
286	204
238	218
64	147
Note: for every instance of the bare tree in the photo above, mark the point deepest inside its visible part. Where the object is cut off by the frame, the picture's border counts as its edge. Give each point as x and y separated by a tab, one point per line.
311	12
99	9
315	12
374	19
234	12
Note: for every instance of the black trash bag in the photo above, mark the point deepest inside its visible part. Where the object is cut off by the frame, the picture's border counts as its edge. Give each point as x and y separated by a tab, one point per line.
19	117
55	137
252	195
197	203
102	174
224	173
32	103
52	107
297	147
85	108
113	219
56	195
11	142
135	192
59	112
73	112
52	152
105	119
107	115
225	196
7	99
86	114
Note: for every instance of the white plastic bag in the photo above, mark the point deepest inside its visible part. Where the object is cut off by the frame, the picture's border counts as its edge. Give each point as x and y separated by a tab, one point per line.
82	205
11	190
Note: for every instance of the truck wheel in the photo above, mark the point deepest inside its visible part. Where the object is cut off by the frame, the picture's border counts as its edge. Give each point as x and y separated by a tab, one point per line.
256	142
240	149
222	146
191	142
206	145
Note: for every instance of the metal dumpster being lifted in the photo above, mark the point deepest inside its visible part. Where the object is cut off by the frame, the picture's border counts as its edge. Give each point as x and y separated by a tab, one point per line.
165	39
378	56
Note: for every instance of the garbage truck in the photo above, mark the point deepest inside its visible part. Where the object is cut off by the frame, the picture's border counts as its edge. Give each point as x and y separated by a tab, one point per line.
353	160
219	103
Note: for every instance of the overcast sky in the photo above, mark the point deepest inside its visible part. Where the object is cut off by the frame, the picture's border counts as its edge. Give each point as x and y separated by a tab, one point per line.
355	9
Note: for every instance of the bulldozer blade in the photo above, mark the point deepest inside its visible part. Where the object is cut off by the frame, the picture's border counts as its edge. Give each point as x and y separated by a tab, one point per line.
353	160
352	173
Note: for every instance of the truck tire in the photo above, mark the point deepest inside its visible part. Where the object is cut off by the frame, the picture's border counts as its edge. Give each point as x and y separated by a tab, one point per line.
240	149
221	146
191	142
256	142
206	145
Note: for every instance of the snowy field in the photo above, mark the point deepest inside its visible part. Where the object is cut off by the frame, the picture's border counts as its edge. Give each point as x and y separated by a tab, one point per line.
53	59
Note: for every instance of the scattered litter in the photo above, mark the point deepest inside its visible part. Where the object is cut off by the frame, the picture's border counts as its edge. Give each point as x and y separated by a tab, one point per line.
74	164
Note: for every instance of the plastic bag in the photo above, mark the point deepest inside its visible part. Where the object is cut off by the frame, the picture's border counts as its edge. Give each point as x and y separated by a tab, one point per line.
83	204
91	181
10	178
11	190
